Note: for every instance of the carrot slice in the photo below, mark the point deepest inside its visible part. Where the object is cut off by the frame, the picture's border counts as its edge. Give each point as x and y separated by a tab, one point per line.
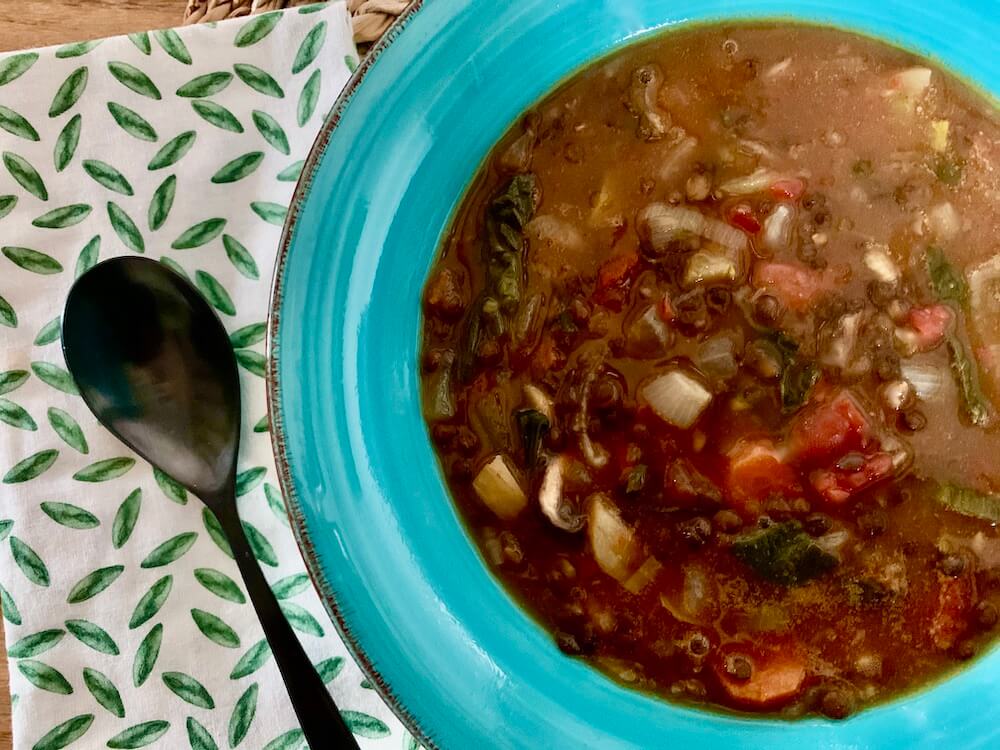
777	674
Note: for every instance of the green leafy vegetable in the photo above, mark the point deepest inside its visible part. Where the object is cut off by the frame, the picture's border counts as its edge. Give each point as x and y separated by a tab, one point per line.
533	426
784	554
968	502
503	252
974	403
635	479
797	381
946	283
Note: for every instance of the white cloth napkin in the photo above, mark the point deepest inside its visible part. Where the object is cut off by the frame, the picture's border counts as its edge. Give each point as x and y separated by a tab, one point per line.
126	622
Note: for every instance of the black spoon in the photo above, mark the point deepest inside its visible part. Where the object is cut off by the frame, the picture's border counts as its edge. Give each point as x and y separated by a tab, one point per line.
154	364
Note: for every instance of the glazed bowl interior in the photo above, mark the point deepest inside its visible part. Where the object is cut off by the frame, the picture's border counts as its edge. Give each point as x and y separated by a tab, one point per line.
447	646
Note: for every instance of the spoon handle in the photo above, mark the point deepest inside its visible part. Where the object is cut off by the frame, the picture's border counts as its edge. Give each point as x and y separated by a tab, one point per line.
318	715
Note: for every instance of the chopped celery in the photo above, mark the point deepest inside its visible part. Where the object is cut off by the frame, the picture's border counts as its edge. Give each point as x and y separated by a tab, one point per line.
969	502
967	379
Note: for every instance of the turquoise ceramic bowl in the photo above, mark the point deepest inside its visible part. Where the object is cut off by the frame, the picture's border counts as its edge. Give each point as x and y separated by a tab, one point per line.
449	649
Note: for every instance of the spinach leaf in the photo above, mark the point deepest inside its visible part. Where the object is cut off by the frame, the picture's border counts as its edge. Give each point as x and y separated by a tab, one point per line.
784	554
503	254
797	381
945	281
533	426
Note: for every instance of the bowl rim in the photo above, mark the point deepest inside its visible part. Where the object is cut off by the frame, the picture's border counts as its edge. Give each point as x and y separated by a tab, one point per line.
286	482
275	414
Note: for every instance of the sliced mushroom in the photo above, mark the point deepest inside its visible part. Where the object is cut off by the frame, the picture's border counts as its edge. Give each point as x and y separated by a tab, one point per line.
643	95
554	504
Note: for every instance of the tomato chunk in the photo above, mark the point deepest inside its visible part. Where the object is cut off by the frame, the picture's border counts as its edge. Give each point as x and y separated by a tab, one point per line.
790	188
951	615
795	286
614	277
666	310
777	674
742	217
838	485
931	324
829	429
756	471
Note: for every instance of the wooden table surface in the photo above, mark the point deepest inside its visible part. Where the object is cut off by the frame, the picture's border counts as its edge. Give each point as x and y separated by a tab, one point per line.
37	23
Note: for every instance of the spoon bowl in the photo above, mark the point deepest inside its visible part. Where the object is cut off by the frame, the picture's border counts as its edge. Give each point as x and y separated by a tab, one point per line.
155	365
152	360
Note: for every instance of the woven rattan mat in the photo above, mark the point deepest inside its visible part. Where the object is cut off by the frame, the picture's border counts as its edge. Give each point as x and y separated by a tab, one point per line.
371	17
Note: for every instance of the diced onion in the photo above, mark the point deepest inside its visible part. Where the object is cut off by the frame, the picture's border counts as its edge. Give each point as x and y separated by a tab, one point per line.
677	398
927	380
663	224
678	158
756	182
834	541
713	266
880	264
716	358
611	539
539	400
644	576
696	601
556	232
896	394
723	234
499	489
779	68
907	341
778	227
912	82
984	280
944	221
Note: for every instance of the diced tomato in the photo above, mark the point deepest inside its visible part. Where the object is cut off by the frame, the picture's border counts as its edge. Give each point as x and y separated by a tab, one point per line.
742	217
795	286
614	277
828	429
931	324
951	615
756	471
790	188
666	310
838	485
777	674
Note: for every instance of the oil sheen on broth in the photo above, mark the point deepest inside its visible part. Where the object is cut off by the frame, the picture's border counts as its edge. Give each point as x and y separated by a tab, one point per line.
710	359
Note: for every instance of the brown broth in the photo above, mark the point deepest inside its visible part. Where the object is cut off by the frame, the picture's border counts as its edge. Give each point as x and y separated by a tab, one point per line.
857	152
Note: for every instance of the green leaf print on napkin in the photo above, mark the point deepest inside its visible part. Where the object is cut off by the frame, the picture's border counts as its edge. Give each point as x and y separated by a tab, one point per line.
104	691
186	146
139	735
133	78
64	734
93	636
151	602
188	689
15	66
147	654
173	151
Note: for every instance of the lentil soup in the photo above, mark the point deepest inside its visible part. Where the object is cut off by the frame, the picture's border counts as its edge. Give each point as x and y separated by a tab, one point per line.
710	360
